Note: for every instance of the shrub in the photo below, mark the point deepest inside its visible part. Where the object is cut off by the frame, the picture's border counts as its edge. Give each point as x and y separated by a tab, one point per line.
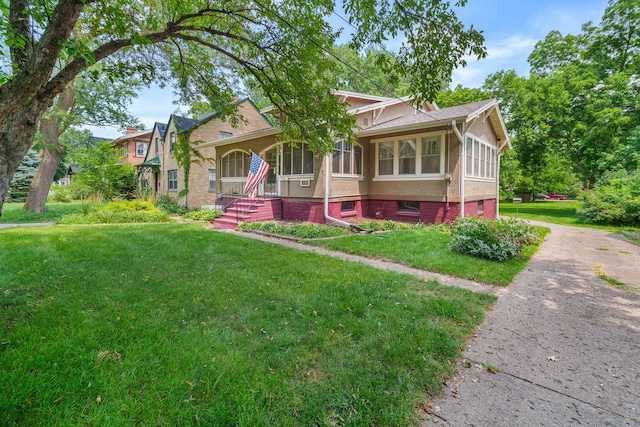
60	195
499	239
300	230
123	211
202	215
79	191
131	205
385	225
614	201
170	205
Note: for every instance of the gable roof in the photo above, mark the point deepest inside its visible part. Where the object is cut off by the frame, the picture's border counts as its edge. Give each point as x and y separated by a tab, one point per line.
162	129
141	134
461	113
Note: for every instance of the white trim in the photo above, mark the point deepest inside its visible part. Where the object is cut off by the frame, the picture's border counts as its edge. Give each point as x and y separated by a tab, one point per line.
492	149
435	177
417	175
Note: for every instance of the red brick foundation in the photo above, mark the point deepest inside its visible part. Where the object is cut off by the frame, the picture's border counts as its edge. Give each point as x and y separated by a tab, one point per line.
429	212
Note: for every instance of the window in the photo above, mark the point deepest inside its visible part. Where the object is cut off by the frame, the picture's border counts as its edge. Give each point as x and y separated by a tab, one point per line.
296	160
348	206
236	164
173	180
347	159
430	155
480	206
123	150
385	158
408	157
405	205
225	135
156	144
417	156
469	156
172	141
212	180
141	149
480	158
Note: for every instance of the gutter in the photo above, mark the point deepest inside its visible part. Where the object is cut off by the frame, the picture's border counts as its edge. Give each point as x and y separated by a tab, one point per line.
500	154
463	168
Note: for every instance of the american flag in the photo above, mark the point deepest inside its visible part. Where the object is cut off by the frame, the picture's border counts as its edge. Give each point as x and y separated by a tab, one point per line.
257	171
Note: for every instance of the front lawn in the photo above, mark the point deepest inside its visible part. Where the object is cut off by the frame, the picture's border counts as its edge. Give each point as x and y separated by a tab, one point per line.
13	213
560	212
555	212
426	248
173	325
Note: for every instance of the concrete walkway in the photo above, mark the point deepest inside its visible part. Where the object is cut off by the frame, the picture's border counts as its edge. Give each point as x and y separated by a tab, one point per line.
27	224
565	344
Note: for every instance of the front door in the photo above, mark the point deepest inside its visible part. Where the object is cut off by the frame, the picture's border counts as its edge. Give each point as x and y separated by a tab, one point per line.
271	183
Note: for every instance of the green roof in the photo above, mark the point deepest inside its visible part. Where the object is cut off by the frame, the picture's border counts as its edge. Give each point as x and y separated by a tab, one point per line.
151	162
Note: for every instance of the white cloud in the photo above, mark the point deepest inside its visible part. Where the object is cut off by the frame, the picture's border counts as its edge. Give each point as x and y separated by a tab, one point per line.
514	46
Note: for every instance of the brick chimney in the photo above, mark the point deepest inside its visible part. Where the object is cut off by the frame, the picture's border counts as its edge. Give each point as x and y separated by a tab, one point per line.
131	130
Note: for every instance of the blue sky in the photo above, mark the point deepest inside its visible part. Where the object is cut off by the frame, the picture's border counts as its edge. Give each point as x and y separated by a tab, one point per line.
511	29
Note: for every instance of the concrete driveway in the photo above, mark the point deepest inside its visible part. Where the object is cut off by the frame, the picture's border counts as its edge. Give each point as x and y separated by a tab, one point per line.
561	347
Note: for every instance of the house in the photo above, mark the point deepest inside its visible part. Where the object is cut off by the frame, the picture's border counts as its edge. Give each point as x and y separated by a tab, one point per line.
132	146
160	171
426	164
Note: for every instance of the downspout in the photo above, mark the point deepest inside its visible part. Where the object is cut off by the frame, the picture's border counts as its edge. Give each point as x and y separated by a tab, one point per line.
327	217
464	164
500	153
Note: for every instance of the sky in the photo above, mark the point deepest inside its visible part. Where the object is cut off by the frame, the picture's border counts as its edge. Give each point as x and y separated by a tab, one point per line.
511	29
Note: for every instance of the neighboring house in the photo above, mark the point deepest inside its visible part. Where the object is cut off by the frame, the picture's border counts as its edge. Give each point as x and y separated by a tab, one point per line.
132	147
428	165
160	171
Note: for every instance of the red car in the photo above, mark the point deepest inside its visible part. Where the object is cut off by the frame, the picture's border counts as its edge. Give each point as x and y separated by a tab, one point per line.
557	196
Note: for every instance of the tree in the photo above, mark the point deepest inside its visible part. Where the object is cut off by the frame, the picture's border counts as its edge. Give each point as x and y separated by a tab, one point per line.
460	95
23	176
100	171
206	47
580	105
87	99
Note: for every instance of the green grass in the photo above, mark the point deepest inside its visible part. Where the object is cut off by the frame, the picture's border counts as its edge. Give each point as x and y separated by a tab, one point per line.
426	248
560	212
170	324
13	213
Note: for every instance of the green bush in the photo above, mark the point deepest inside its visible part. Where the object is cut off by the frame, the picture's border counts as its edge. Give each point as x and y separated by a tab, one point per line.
131	205
300	230
79	191
170	205
202	215
614	201
385	225
119	212
60	195
498	239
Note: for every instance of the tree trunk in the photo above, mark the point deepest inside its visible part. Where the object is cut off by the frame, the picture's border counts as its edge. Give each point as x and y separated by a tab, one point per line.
17	130
41	184
52	152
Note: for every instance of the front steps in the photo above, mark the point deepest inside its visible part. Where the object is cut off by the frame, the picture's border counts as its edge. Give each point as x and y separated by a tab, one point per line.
249	210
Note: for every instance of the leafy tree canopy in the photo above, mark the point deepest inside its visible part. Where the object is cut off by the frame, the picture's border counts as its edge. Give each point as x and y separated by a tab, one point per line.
206	48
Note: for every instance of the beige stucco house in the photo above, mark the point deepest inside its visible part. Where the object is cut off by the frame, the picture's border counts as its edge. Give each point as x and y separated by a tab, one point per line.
426	164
